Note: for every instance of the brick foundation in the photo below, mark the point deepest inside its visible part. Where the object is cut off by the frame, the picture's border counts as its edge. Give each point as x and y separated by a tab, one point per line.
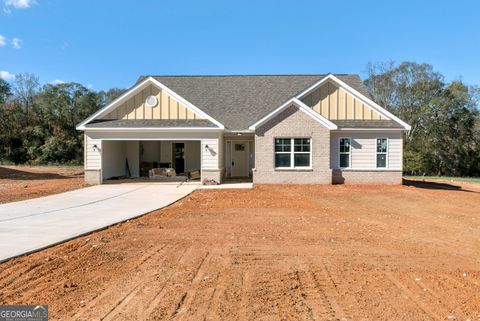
366	177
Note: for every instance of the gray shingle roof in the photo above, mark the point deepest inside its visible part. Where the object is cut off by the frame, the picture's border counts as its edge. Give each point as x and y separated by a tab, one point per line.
240	101
367	124
120	123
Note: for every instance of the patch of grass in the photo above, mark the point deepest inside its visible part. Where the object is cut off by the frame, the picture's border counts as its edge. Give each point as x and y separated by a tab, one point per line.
447	178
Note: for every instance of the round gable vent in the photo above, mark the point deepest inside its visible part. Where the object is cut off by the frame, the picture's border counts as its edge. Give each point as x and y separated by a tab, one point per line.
151	101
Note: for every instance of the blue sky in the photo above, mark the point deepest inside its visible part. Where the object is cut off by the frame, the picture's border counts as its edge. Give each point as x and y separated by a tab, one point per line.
104	43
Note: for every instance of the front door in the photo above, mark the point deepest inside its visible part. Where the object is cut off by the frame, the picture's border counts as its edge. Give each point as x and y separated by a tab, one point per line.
179	157
239	159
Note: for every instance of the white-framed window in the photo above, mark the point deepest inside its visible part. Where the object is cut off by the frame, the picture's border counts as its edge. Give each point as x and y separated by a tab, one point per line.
382	152
293	153
345	151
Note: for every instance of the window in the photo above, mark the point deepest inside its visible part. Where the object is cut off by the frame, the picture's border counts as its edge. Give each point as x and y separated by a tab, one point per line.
382	152
239	147
345	152
296	157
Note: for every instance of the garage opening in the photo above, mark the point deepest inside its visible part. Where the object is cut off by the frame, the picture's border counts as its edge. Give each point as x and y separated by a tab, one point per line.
152	160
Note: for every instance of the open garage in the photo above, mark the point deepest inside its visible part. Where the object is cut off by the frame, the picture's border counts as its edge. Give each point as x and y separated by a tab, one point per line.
135	158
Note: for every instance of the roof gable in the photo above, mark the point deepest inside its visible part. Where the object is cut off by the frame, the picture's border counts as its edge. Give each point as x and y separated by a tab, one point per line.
131	106
302	107
166	108
385	114
333	102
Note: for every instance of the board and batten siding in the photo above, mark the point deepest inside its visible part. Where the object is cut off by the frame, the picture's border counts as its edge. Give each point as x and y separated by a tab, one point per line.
166	108
363	151
332	102
93	158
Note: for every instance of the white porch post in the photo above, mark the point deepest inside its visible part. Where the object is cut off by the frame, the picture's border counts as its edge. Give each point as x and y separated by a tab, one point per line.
210	151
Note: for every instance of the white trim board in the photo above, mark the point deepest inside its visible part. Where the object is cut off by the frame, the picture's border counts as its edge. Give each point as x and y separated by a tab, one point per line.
370	103
151	129
132	91
301	106
373	129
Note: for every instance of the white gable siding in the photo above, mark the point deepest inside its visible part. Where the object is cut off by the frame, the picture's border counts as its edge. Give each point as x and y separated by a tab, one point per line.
210	155
363	153
93	158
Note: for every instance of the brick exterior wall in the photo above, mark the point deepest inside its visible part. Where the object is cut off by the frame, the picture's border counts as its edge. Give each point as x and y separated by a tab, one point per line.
93	176
366	177
292	123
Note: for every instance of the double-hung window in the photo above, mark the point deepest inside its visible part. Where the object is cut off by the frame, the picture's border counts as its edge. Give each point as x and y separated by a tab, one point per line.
292	152
345	152
382	152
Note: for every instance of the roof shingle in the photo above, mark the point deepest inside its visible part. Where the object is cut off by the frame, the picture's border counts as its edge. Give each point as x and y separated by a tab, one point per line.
240	101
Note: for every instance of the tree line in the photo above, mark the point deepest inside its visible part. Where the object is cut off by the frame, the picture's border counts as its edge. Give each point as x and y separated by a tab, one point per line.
445	135
37	123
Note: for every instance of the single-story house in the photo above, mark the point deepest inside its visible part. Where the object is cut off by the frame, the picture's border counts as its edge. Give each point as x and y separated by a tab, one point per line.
316	129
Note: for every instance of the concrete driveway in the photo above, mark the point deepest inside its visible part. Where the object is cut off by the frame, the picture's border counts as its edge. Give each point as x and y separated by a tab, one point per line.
34	224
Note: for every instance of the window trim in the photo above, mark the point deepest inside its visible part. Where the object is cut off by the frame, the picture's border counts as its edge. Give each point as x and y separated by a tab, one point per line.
292	154
386	153
349	153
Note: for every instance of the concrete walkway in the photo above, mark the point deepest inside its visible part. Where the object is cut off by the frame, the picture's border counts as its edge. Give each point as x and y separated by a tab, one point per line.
34	224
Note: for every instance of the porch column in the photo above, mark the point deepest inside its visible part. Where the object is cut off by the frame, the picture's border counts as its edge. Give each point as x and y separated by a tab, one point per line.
210	151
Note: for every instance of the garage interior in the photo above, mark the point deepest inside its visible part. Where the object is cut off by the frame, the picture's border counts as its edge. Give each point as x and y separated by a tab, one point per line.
136	158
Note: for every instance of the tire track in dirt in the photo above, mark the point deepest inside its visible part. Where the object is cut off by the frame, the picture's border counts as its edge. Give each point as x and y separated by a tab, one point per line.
310	296
130	287
187	297
429	312
203	303
37	273
158	296
327	291
451	305
205	282
246	289
147	281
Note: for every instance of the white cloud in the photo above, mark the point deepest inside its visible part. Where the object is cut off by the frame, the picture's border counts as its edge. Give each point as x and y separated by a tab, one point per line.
2	41
8	76
57	82
17	43
19	4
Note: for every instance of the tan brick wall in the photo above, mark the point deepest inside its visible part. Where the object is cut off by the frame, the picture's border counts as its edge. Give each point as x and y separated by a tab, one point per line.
93	176
366	177
293	123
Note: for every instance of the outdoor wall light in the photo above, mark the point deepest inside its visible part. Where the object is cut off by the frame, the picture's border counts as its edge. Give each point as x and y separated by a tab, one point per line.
95	148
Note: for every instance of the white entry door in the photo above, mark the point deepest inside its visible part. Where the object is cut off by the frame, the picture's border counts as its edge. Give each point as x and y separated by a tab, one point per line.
239	159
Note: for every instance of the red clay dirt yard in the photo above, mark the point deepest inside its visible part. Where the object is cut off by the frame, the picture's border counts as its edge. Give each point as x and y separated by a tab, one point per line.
270	253
24	182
